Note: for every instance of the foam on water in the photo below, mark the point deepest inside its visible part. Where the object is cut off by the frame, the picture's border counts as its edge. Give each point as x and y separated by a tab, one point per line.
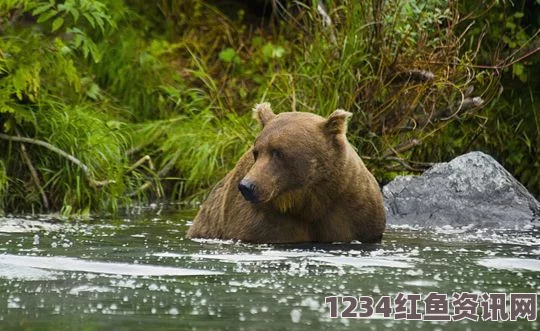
73	264
292	254
89	288
20	225
265	255
361	262
510	263
235	258
10	271
422	283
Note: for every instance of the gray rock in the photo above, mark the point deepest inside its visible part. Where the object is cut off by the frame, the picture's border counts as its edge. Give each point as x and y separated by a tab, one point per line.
471	190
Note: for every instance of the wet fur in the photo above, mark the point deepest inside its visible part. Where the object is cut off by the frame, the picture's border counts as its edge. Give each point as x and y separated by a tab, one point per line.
340	201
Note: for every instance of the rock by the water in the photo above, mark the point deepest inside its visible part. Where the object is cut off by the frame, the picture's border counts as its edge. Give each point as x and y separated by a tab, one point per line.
472	189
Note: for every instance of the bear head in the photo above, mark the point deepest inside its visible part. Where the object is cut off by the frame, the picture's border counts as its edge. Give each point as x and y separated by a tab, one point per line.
295	155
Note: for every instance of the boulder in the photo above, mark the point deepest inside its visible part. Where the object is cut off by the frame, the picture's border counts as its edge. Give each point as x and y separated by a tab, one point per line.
471	190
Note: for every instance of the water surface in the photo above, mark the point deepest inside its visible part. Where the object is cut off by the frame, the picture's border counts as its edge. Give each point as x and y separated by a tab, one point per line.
139	272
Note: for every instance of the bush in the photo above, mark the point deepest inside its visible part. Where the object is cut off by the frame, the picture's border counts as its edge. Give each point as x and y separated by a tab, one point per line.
106	103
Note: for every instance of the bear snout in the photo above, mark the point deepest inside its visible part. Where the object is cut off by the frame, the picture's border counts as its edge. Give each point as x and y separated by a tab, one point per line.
247	188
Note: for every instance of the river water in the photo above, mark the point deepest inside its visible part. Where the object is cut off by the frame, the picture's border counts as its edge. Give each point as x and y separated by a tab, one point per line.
138	272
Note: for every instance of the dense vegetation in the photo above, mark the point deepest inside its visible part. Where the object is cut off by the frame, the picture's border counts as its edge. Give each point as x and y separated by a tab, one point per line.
109	103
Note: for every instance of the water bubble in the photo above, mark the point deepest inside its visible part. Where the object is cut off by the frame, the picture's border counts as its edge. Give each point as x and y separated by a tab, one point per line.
311	303
14	302
417	272
296	314
36	240
173	311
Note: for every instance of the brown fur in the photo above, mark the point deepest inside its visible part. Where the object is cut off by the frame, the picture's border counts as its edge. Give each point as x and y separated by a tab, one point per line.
312	184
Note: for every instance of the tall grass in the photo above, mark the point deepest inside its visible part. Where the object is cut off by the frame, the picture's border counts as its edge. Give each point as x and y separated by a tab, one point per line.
402	68
153	99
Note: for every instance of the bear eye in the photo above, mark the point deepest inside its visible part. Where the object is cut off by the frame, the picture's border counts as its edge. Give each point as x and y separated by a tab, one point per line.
276	153
255	154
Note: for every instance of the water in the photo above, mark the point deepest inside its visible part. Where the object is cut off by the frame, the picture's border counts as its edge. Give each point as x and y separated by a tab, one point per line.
139	272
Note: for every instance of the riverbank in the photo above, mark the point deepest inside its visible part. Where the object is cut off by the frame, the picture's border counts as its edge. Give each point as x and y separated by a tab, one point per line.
104	104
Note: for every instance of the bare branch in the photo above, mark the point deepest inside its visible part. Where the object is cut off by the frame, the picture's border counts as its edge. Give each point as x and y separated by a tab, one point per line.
415	75
142	160
403	147
34	174
160	175
89	176
326	20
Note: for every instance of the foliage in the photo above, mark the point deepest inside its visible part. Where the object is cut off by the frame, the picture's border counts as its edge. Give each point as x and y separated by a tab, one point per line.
508	127
46	92
151	100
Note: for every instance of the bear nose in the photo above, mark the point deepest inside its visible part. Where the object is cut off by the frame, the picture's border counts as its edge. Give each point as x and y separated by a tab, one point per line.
247	188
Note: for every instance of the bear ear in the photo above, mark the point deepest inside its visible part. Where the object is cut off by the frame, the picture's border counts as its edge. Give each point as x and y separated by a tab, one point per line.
337	122
263	113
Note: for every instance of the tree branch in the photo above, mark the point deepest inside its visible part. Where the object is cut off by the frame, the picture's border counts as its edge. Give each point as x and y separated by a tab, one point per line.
89	176
34	174
160	175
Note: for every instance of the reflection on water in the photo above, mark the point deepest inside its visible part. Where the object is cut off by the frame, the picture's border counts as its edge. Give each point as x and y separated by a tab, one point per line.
140	272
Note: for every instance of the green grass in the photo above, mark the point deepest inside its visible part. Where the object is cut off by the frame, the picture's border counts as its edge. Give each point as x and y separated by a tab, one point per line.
155	98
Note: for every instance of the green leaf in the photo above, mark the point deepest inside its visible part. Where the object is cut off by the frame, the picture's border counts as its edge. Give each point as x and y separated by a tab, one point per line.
267	50
90	19
46	16
20	78
22	115
6	109
100	23
57	23
271	51
75	13
278	52
8	125
518	69
228	55
94	92
41	9
257	41
116	125
510	25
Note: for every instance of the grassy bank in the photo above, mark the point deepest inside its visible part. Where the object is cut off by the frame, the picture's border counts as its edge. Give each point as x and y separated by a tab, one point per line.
109	103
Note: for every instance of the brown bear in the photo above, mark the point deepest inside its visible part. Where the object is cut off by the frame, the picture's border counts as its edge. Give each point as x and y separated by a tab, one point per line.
302	181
